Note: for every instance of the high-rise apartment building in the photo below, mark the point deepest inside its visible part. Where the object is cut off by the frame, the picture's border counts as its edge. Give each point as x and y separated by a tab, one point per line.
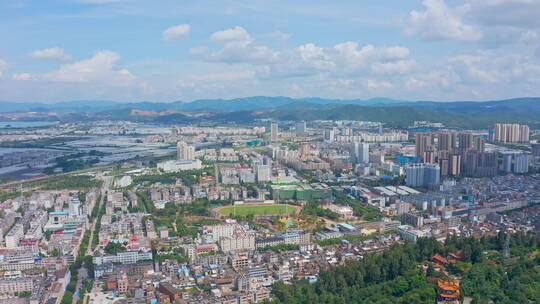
423	175
516	162
465	141
424	142
506	165
480	164
468	141
479	144
429	155
264	173
274	132
330	135
511	133
360	153
300	128
185	151
447	141
536	150
454	164
521	163
444	164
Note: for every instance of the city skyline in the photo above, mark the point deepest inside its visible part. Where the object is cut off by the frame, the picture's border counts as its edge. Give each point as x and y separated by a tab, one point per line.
249	152
131	51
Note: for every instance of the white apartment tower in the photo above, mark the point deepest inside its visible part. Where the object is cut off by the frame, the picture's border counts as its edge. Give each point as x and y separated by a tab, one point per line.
185	151
360	153
511	133
274	132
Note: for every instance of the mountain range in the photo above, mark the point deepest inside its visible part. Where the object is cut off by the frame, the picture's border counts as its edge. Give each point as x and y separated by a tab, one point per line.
219	105
394	112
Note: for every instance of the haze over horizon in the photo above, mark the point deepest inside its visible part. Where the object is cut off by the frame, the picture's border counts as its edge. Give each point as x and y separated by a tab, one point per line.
377	100
132	51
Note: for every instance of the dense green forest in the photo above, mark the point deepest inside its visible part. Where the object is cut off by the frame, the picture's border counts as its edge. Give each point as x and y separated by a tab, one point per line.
396	275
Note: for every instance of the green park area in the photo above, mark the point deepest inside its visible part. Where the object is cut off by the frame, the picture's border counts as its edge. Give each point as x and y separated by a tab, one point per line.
244	210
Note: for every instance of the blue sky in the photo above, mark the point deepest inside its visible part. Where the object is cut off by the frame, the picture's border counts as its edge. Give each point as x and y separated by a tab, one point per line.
126	50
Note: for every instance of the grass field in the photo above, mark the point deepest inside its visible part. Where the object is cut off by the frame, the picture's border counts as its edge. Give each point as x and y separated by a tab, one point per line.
243	210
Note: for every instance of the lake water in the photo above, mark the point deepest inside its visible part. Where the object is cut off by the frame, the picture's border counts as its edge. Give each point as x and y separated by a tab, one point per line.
26	124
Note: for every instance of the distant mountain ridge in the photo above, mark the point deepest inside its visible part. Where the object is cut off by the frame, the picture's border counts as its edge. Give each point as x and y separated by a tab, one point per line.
221	105
245	103
466	114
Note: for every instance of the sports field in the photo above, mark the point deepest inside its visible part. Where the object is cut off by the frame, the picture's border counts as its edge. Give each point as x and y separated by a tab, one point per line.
243	210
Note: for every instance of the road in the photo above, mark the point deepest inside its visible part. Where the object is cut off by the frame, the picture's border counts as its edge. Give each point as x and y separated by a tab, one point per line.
107	181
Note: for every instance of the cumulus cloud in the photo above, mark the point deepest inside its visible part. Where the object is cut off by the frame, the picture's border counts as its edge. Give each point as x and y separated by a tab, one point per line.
238	46
512	13
100	68
238	53
23	77
492	23
176	32
236	34
338	62
54	53
481	74
279	35
396	52
313	56
477	68
235	62
437	77
414	83
394	67
349	55
218	80
440	22
378	84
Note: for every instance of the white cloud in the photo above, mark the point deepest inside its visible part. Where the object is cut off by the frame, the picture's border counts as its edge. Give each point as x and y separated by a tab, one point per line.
100	68
3	67
218	80
529	37
240	53
235	34
506	13
235	62
238	46
477	68
279	35
54	53
382	60
493	23
199	50
440	22
342	60
23	77
176	32
414	83
393	68
313	56
440	77
379	84
396	52
351	57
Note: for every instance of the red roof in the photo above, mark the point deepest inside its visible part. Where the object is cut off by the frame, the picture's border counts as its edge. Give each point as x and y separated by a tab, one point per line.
439	259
